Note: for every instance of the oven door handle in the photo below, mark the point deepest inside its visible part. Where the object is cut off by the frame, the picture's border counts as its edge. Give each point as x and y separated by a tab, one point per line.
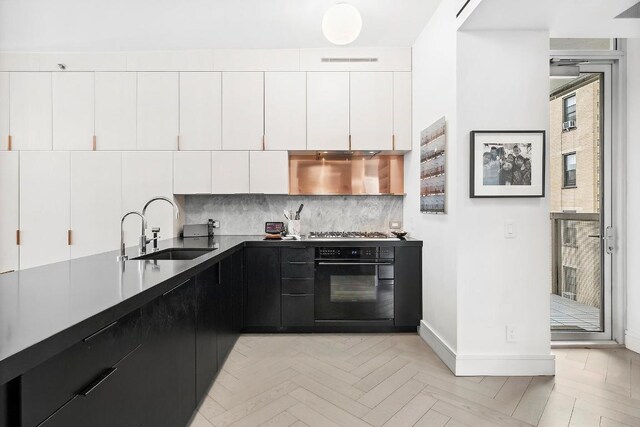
354	263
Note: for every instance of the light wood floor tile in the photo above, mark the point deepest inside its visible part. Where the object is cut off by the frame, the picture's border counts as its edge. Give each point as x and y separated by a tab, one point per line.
558	411
433	418
283	419
534	400
310	417
412	412
386	409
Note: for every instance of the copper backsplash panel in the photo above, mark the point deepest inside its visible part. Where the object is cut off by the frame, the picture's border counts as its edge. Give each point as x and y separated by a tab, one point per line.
355	175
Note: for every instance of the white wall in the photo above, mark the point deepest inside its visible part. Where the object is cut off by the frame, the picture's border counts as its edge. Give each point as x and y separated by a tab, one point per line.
434	96
632	338
502	83
476	282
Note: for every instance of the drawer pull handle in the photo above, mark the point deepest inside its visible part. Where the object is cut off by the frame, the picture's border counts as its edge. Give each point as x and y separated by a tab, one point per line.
298	295
173	289
99	331
300	262
102	378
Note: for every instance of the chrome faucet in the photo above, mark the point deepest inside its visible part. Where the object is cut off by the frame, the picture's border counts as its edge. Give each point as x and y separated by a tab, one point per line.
143	236
122	256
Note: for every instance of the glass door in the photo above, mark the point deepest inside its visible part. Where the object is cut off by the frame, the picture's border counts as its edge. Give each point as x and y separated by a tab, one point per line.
580	152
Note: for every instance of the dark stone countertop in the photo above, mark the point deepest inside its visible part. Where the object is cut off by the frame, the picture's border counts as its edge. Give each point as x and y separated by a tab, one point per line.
44	310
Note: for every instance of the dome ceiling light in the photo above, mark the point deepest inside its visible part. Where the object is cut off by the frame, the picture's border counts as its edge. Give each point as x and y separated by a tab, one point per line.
341	24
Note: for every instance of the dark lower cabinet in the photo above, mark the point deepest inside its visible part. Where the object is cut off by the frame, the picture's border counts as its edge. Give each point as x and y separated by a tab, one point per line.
112	399
224	303
297	310
207	283
170	356
408	286
236	293
262	288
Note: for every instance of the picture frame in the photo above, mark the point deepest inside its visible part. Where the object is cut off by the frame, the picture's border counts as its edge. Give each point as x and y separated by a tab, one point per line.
507	163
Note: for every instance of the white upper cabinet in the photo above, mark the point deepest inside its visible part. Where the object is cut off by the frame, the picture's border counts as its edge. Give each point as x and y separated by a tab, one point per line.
285	110
95	202
230	172
328	111
144	176
44	207
200	111
242	110
402	111
269	172
115	111
371	110
4	111
158	111
192	172
73	111
30	106
9	216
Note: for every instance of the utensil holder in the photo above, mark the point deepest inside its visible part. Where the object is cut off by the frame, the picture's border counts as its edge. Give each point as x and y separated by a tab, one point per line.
294	227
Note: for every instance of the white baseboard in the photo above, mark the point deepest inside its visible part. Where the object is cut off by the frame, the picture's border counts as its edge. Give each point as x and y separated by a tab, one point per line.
438	345
632	340
489	364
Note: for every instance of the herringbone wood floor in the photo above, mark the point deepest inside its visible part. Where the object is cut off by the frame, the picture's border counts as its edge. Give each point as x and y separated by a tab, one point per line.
396	380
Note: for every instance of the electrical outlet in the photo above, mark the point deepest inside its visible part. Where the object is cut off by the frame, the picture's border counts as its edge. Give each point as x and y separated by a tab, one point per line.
395	225
512	333
216	224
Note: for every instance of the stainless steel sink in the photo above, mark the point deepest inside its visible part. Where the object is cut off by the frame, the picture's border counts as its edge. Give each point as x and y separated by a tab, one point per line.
176	254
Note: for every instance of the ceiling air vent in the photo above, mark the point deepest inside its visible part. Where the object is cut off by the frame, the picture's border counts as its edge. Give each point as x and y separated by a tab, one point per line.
632	13
349	59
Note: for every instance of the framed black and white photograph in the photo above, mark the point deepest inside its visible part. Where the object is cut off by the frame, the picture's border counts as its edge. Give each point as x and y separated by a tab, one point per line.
507	163
433	168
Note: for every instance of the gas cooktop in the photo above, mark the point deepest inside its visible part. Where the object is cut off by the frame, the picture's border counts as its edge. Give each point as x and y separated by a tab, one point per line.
346	235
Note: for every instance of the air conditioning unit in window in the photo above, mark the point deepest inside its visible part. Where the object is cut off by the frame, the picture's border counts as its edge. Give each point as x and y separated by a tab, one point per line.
568	125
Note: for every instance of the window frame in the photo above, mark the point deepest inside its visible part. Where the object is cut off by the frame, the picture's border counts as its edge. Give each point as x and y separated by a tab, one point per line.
575	109
566	185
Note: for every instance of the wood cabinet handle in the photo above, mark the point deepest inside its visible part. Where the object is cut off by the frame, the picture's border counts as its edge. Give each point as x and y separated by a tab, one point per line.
69	241
9	143
264	142
18	237
349	142
178	142
393	142
95	143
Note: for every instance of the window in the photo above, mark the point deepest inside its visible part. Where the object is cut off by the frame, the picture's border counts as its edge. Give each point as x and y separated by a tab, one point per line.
569	234
569	168
569	108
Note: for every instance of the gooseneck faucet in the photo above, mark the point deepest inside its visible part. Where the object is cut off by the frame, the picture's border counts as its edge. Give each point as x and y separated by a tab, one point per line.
122	256
143	236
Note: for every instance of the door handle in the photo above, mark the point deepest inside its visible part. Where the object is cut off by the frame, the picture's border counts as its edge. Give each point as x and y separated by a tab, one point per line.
609	240
354	263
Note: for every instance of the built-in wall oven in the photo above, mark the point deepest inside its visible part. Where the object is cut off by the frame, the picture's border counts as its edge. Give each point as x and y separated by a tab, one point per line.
354	284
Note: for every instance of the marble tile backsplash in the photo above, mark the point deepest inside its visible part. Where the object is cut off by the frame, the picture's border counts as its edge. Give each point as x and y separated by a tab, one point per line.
246	213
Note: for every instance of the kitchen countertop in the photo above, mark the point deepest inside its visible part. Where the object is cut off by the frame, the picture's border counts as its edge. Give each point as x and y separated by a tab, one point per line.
44	310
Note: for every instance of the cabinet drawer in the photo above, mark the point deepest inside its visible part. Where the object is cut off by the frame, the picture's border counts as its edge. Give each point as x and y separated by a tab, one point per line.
297	310
115	398
297	286
297	254
298	269
49	385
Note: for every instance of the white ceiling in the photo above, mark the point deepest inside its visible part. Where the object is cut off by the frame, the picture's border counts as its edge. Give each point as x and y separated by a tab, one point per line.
563	18
113	25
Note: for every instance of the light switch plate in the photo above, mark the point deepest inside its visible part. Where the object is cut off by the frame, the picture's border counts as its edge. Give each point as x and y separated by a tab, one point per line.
510	229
